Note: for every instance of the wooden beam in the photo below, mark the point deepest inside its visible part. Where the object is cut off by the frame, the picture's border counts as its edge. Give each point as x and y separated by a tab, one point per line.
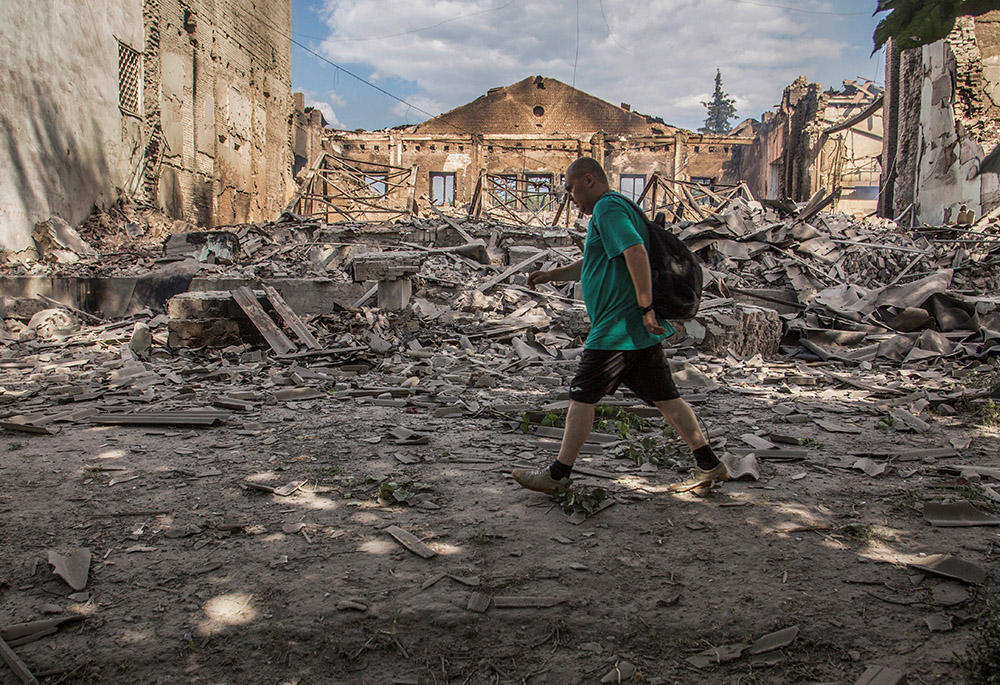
275	338
483	287
16	665
290	318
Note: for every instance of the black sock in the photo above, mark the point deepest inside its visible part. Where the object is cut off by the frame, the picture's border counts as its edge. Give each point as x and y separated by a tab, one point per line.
559	470
705	457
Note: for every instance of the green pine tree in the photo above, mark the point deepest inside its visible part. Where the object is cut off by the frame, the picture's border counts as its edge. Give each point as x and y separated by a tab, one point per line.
721	109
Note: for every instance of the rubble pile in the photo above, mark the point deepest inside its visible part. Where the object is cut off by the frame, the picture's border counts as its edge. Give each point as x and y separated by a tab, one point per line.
781	277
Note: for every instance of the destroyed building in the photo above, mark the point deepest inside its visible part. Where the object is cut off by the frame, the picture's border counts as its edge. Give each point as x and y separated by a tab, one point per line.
942	119
184	105
818	141
504	154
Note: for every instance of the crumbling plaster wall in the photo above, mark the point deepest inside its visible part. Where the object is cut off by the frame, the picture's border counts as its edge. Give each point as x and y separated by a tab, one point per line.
959	105
64	143
226	108
780	162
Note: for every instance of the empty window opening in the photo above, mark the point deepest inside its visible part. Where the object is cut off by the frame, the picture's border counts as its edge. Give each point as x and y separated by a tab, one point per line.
538	110
129	79
377	183
505	190
632	185
539	191
442	188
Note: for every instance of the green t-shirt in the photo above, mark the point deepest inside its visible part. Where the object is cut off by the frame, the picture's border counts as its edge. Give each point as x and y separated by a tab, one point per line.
608	292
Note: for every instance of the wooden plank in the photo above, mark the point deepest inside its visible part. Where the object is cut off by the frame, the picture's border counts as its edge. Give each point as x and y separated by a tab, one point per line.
15	663
410	542
451	222
291	319
541	254
275	338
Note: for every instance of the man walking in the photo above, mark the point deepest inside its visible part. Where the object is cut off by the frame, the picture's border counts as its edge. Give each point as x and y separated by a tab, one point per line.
624	341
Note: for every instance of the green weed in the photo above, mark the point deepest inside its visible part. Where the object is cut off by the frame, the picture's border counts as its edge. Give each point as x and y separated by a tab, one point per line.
623	422
401	491
583	498
980	663
649	451
865	533
14	446
988	414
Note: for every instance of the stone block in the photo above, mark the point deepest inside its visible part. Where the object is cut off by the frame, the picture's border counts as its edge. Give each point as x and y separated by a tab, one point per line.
203	333
386	266
741	330
206	304
394	295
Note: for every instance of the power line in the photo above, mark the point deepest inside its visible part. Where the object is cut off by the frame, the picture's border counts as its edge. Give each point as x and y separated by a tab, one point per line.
364	81
608	24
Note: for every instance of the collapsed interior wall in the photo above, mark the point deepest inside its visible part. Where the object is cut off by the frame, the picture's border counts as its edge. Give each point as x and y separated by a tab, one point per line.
818	140
184	104
948	100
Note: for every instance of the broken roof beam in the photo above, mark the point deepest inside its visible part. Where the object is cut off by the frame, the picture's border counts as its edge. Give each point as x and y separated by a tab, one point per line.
247	301
291	319
483	287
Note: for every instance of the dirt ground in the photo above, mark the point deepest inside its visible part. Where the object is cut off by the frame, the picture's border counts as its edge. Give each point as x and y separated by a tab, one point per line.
196	578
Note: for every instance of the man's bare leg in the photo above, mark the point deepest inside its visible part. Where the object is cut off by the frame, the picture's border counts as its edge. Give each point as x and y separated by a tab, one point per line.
682	419
579	423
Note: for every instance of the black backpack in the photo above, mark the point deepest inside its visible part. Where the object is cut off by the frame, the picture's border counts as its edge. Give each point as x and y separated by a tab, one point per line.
676	274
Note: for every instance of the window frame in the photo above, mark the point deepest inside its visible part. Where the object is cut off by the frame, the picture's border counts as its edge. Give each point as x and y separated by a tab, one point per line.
538	201
130	80
632	194
444	176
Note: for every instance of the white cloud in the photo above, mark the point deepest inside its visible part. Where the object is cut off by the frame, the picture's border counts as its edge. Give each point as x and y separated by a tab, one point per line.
659	56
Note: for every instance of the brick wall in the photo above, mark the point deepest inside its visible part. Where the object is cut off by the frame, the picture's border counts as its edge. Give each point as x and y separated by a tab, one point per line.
225	108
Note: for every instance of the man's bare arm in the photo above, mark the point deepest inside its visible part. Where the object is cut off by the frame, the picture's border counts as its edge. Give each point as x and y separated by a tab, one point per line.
637	261
570	272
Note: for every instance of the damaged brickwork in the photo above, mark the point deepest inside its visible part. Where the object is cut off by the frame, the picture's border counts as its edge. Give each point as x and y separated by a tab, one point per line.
517	140
947	99
815	141
181	104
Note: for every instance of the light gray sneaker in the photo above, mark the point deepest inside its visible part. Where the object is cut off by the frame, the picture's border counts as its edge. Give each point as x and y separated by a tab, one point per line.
539	480
701	481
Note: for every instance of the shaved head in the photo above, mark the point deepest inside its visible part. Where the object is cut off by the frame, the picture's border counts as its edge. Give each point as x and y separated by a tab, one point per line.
586	182
587	165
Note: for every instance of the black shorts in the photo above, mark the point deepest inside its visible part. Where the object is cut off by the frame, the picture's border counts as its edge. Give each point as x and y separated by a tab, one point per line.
645	371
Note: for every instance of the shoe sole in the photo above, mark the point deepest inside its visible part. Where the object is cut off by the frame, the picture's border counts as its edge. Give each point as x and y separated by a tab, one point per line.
527	486
700	488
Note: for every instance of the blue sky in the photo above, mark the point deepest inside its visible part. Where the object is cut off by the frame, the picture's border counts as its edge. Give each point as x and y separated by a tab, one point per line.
660	56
